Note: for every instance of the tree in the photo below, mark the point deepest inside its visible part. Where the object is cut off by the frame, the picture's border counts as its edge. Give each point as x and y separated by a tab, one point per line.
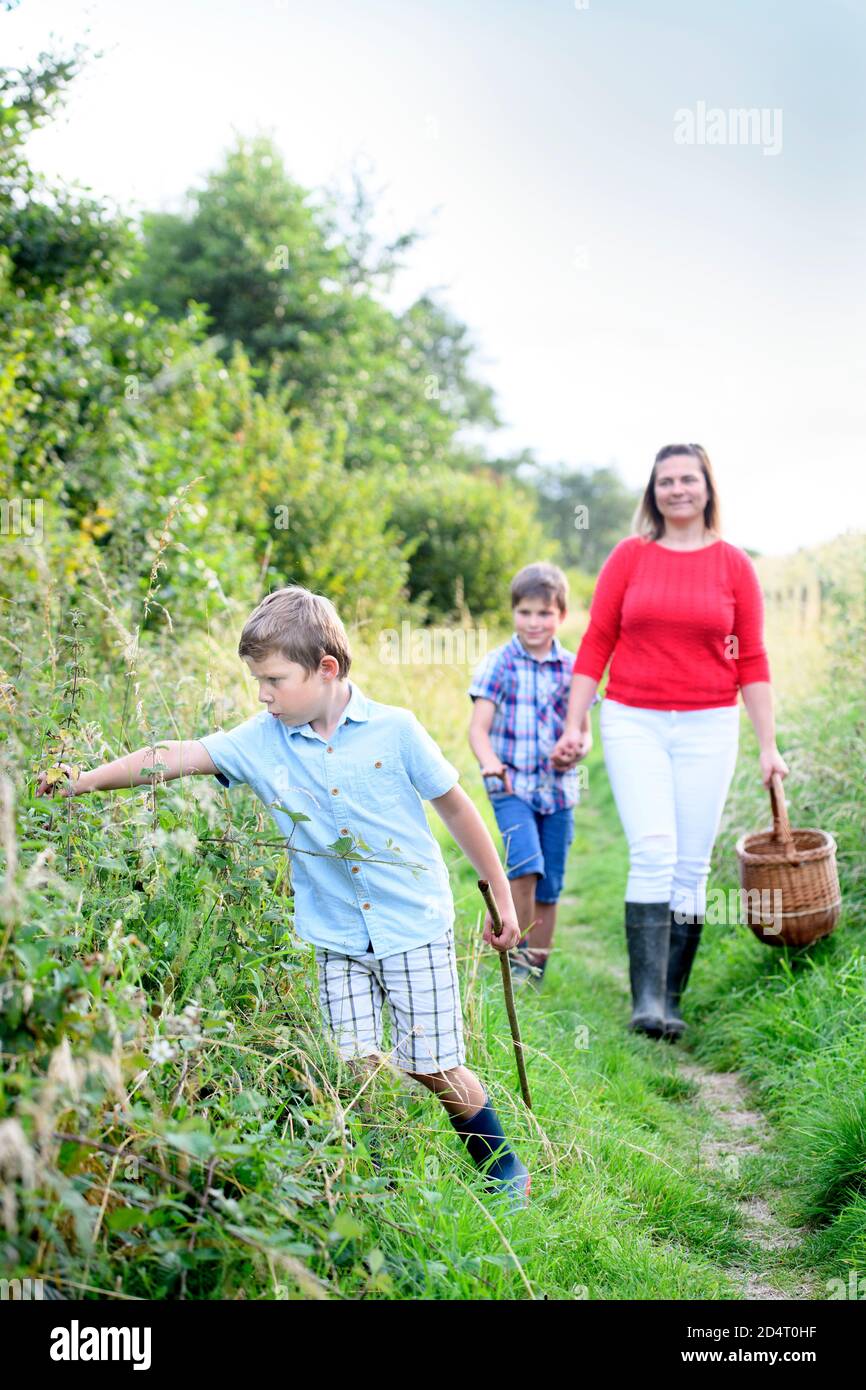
587	510
470	533
279	274
55	236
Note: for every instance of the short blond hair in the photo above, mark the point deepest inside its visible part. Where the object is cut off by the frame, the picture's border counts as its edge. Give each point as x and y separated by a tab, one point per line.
300	625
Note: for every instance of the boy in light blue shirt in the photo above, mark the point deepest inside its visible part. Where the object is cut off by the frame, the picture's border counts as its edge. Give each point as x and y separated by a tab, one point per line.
370	884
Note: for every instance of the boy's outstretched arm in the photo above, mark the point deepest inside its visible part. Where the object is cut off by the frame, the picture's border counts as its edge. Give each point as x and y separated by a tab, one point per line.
468	829
181	758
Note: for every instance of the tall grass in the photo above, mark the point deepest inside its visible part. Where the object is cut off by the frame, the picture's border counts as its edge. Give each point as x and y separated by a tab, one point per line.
794	1022
173	1123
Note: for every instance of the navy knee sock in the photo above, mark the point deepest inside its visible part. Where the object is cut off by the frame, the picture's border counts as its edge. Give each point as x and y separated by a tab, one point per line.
483	1135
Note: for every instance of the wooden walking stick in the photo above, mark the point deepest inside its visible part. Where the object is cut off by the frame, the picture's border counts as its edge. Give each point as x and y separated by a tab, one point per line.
505	965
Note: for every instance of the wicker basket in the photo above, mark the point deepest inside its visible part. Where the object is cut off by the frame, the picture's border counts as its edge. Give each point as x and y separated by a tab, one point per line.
797	865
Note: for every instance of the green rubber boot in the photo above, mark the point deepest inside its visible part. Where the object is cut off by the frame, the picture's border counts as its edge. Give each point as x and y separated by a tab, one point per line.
647	930
685	939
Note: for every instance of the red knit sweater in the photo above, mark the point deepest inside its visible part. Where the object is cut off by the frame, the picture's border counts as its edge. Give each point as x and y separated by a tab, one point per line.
670	618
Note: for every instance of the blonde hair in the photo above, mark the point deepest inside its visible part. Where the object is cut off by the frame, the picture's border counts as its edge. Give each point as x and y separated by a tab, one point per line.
300	625
541	580
648	520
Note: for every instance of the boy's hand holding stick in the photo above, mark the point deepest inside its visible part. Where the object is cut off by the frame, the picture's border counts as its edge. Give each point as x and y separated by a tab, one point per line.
499	770
505	965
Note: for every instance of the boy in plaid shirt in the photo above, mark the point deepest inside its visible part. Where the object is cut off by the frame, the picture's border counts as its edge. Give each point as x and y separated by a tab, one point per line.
520	697
358	771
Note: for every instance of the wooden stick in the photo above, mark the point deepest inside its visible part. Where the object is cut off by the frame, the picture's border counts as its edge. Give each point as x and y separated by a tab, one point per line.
505	964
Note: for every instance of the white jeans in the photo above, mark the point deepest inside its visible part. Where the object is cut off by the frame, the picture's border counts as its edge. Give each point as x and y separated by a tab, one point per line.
670	771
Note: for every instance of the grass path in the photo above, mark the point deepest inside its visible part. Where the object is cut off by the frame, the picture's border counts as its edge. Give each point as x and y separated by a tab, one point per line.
711	1113
653	1176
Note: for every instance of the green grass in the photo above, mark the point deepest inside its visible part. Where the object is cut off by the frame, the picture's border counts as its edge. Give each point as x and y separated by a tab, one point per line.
249	1164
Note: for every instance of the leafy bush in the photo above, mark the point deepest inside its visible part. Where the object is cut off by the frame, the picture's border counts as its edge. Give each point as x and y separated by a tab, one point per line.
473	531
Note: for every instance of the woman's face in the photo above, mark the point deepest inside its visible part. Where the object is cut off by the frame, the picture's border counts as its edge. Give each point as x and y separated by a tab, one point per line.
680	488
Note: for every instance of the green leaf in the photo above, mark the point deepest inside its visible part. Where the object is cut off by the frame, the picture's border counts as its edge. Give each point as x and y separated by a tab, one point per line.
198	1143
346	1226
124	1218
249	1102
294	816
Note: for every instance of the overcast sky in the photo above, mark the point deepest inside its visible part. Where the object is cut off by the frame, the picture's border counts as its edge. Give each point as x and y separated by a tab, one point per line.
636	267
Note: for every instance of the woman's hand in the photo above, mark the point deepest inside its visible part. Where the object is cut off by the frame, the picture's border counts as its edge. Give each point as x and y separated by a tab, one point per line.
758	699
772	761
568	751
565	751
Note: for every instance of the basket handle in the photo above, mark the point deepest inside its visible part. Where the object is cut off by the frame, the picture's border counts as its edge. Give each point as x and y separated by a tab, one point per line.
781	825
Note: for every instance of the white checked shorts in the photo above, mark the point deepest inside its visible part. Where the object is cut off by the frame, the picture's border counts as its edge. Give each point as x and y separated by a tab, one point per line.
423	997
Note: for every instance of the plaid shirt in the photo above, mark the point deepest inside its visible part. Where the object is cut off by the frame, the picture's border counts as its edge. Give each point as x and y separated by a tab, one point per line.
531	698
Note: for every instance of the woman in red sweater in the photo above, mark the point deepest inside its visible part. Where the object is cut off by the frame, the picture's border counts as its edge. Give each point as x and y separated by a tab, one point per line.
680	612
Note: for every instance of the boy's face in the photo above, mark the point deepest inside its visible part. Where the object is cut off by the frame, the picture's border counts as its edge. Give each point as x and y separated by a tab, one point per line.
291	694
536	621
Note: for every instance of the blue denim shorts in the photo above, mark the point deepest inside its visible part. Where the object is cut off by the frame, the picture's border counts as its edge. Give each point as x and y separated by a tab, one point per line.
534	843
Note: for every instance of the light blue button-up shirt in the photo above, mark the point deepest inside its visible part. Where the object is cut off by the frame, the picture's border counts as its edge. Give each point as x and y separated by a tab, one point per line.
364	783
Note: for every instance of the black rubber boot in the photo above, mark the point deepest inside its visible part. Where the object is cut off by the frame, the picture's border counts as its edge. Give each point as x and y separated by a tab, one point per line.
685	939
647	930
